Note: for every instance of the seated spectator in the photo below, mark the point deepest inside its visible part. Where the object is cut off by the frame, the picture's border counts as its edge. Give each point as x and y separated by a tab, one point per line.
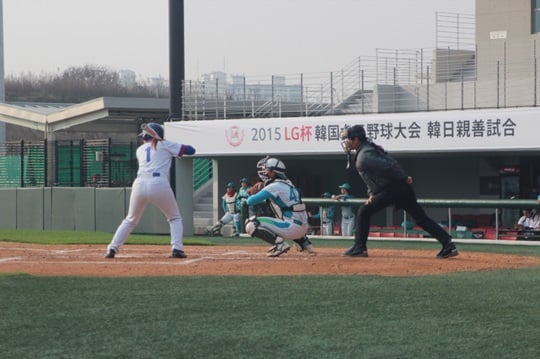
528	220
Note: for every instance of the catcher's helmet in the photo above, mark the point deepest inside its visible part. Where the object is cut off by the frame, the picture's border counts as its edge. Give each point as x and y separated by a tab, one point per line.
272	164
151	130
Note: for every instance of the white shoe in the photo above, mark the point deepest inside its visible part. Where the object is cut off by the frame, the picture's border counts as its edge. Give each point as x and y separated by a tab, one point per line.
309	249
279	249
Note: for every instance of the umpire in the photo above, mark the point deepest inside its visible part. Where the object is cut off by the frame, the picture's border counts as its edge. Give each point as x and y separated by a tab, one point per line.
387	184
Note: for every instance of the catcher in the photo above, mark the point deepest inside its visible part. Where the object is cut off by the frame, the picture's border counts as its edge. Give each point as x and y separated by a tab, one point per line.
290	221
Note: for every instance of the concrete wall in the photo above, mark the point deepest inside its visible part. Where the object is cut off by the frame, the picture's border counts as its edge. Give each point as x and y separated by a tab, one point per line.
77	209
513	19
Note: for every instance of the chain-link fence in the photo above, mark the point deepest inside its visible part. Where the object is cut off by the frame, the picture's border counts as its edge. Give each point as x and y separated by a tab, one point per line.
23	164
82	163
96	163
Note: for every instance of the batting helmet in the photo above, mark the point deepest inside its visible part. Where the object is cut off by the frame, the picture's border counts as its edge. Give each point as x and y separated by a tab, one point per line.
152	130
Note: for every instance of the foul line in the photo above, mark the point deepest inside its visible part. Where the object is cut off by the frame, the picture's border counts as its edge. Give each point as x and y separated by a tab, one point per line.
5	260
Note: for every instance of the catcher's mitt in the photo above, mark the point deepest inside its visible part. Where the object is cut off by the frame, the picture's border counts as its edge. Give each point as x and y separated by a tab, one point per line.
255	188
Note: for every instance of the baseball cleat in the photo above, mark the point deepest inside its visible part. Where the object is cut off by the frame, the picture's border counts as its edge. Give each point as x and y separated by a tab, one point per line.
355	251
177	253
110	253
448	251
307	248
304	245
279	249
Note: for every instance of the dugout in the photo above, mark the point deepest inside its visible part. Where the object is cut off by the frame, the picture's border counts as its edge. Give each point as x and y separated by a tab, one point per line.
474	154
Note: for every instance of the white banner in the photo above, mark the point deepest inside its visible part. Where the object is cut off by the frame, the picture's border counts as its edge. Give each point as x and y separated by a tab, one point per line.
448	131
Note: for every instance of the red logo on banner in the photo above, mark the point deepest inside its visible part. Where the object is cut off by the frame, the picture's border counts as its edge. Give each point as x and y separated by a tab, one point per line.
234	136
509	169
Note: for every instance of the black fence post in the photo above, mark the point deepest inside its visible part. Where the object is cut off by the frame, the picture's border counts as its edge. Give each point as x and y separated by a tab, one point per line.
82	164
21	155
46	165
108	162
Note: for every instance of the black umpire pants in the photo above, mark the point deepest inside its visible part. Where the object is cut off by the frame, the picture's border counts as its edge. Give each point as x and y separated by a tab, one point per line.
401	195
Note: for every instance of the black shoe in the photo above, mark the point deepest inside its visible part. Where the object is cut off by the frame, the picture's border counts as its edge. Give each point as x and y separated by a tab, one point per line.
110	253
177	253
355	251
448	251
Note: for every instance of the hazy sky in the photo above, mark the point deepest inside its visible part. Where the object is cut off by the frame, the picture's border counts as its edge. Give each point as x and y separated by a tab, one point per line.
251	37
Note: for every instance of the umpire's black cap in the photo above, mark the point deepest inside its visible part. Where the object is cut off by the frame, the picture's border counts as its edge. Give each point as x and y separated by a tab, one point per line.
356	131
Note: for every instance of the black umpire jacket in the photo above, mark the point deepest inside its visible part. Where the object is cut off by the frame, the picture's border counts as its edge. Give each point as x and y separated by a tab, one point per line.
376	168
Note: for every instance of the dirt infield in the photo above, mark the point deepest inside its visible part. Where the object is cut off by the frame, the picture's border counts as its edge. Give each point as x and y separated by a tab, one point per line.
153	260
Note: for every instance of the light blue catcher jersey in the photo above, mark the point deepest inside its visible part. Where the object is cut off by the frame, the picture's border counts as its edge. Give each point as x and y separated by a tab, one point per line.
283	195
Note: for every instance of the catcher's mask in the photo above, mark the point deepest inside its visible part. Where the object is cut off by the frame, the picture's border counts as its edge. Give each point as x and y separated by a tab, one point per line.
348	133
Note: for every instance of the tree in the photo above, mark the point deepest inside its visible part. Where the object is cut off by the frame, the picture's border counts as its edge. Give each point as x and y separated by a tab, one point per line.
75	85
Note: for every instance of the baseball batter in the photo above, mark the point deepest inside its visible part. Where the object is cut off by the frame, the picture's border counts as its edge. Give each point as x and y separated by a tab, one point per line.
152	186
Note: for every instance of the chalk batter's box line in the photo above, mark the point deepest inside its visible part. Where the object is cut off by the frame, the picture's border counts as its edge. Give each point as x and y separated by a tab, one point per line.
121	258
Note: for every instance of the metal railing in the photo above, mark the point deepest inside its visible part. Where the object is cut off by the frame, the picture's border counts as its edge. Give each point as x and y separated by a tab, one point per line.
495	204
436	79
202	172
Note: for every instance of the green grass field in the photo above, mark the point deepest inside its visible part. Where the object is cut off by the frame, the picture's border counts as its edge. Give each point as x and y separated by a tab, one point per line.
492	314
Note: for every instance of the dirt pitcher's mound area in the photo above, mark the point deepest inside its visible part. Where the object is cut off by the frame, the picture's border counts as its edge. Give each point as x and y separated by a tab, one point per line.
152	260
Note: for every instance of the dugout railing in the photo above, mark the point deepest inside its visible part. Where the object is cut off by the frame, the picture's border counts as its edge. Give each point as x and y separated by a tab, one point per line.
101	209
492	231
